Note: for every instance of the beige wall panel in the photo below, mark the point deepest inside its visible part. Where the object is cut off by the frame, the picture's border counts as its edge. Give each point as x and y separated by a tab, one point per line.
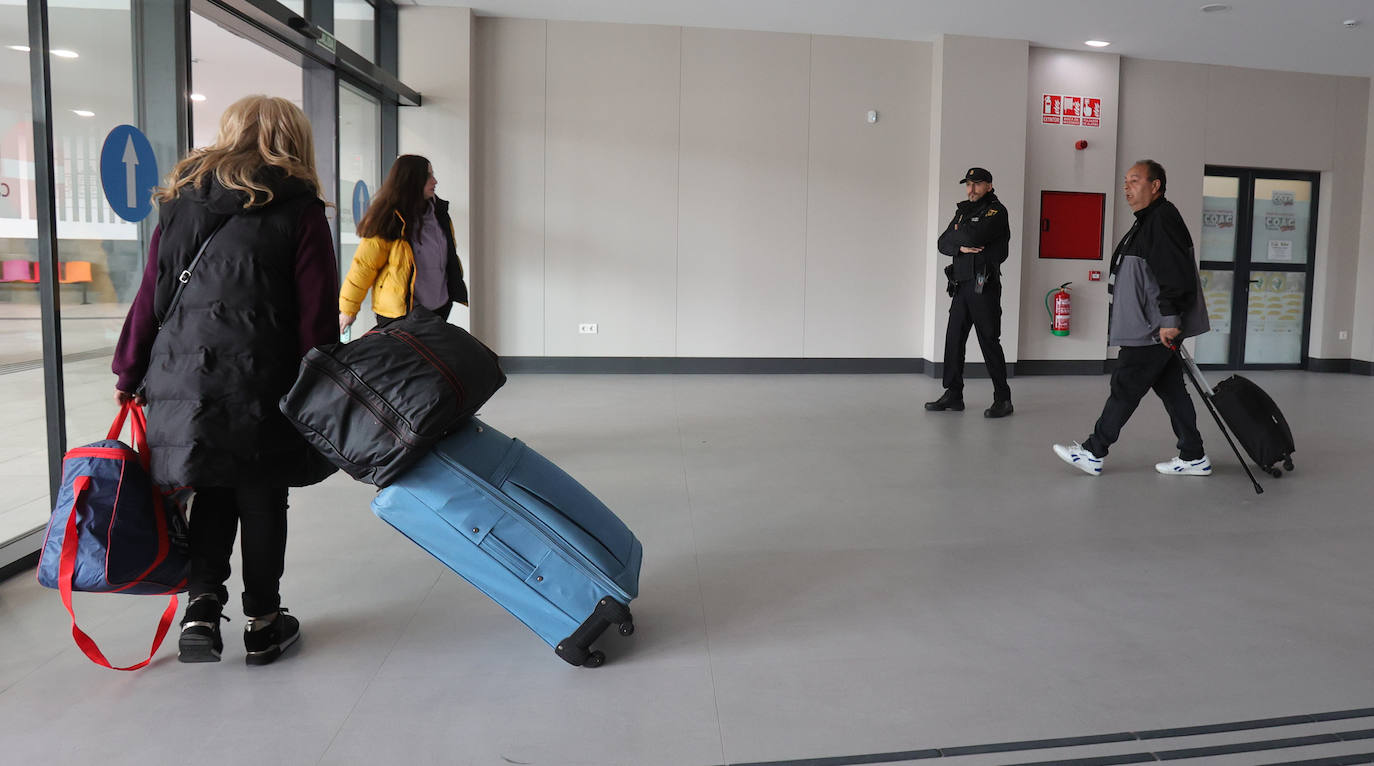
1053	164
1362	324
1149	132
1338	231
865	218
981	111
1264	118
508	253
611	211
742	235
437	61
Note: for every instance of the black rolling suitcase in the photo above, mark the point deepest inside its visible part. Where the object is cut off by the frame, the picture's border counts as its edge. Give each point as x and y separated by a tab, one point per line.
1251	415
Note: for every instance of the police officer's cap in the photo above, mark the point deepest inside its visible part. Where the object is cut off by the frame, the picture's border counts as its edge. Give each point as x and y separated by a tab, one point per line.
976	174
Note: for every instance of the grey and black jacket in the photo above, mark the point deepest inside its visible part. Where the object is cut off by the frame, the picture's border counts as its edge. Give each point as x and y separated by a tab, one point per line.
1154	280
977	224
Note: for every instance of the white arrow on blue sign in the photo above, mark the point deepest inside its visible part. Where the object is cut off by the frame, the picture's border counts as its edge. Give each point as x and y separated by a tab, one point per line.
128	172
361	199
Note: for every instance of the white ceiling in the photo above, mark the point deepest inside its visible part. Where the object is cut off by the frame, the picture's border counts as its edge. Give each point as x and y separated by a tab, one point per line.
1294	35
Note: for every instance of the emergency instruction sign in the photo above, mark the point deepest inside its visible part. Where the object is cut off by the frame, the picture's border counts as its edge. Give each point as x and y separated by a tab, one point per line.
1058	109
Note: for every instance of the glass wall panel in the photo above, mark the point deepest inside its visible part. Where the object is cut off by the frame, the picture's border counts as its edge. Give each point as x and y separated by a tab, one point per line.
355	25
225	68
1283	213
1213	347
1219	208
1274	318
360	175
23	456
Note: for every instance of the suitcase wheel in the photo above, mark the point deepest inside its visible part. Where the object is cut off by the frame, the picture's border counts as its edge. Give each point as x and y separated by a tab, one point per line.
595	660
627	628
1274	471
1288	464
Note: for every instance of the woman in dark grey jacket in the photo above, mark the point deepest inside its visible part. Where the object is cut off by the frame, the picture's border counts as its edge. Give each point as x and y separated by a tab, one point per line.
240	283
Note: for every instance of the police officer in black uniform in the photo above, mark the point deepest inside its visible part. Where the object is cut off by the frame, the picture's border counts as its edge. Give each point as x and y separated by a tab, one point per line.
977	239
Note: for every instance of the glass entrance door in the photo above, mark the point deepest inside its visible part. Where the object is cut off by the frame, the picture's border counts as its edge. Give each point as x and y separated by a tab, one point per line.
1258	236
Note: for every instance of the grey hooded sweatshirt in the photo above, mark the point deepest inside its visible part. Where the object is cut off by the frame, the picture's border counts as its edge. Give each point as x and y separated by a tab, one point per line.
1154	280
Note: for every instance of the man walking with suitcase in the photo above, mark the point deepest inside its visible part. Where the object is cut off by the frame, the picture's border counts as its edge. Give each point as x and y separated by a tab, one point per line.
1156	301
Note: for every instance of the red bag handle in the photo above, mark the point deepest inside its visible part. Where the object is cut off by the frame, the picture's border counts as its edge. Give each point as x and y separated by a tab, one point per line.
138	431
66	571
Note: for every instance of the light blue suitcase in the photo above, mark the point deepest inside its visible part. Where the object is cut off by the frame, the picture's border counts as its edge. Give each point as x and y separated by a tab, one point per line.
524	532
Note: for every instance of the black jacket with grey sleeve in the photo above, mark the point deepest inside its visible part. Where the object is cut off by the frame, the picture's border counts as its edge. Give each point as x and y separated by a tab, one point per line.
1154	280
977	224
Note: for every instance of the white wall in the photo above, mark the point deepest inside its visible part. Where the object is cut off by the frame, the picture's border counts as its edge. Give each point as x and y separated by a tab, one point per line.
978	96
1053	164
436	60
697	192
702	192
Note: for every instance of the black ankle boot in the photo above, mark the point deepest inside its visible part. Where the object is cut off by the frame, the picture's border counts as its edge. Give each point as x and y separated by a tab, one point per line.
947	401
200	639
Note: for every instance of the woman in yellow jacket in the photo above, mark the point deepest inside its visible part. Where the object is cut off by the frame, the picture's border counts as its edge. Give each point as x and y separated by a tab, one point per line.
408	257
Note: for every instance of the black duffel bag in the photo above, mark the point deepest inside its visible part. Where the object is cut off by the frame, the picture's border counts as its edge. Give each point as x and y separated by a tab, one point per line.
376	405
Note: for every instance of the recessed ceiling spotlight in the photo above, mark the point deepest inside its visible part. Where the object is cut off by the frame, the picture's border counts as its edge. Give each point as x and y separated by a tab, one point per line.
1215	8
63	53
197	97
83	113
1350	23
20	48
1097	43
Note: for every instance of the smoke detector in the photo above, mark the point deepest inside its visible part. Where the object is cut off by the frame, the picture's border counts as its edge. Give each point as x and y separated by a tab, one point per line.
1215	8
1350	23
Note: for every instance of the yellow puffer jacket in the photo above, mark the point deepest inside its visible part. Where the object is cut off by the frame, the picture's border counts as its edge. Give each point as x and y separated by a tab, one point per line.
387	268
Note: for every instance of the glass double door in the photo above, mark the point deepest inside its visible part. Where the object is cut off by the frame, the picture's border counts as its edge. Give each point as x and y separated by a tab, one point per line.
1259	231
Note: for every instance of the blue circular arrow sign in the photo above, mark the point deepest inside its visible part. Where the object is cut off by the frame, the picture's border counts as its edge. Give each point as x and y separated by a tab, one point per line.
128	172
361	199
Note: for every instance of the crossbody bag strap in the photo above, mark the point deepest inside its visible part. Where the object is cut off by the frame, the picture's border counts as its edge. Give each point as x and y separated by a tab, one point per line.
185	275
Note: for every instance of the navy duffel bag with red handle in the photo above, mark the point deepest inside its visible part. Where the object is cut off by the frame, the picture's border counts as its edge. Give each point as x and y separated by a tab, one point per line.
113	531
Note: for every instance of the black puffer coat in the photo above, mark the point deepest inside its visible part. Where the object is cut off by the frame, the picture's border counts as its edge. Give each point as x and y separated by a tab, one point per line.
228	349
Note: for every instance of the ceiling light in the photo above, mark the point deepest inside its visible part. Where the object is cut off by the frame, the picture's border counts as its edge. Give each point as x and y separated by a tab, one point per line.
1097	43
1215	8
1350	23
197	96
83	113
63	53
20	48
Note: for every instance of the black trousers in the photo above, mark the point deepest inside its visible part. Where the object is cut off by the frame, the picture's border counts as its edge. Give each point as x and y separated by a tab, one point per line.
216	516
982	313
1140	369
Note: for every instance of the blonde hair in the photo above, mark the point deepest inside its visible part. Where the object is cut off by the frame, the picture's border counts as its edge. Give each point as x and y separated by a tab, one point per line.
254	132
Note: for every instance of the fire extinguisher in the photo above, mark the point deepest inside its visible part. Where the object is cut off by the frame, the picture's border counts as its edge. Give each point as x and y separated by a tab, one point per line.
1059	315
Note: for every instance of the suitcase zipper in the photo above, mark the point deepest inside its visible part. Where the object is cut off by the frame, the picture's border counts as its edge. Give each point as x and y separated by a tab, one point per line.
365	403
550	537
429	356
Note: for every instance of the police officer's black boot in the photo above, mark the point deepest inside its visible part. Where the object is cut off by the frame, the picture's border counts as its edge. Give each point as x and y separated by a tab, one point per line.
949	400
999	409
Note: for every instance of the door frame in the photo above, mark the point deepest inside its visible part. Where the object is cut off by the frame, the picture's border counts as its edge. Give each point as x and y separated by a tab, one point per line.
1241	266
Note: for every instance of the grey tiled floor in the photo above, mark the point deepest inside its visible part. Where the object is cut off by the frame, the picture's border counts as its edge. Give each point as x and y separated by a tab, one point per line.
828	571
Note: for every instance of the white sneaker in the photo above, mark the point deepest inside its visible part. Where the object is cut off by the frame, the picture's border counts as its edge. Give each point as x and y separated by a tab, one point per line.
1180	467
1076	456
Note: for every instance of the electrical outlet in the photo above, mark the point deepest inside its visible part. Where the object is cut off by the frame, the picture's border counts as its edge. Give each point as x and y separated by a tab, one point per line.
587	328
1342	335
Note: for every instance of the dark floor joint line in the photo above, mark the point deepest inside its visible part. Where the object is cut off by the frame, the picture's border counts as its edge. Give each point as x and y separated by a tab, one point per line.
1151	734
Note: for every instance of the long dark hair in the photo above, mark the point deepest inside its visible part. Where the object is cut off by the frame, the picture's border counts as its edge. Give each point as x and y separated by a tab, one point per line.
403	192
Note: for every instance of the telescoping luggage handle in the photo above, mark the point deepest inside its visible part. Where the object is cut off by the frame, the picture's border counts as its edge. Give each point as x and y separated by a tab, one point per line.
66	570
1205	391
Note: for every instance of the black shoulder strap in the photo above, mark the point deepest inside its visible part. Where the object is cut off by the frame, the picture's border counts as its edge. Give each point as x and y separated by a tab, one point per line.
185	275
